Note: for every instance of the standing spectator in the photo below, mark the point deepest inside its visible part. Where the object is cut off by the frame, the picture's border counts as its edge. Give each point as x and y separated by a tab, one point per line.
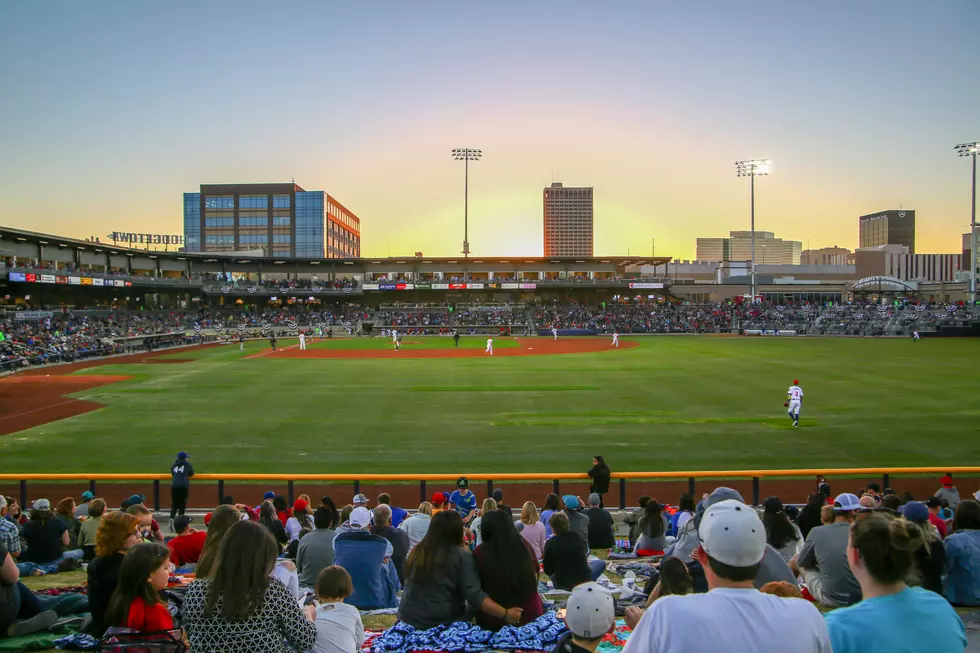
653	530
892	616
462	500
398	515
934	505
823	560
930	556
315	552
781	534
241	607
301	521
180	485
136	602
118	532
366	557
90	527
599	473
564	561
601	528
533	531
508	571
65	511
733	615
270	520
339	628
186	548
417	525
578	521
963	556
498	497
223	518
81	510
399	539
46	537
476	525
948	491
551	506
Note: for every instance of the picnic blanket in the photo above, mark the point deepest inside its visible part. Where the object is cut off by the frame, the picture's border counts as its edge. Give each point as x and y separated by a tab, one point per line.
615	641
540	635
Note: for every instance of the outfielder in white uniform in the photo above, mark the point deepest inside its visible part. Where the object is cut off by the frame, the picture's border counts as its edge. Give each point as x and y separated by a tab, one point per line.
302	341
554	332
915	335
394	335
615	342
489	349
795	400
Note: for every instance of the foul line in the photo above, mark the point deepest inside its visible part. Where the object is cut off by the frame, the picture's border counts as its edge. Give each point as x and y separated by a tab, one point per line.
266	353
29	412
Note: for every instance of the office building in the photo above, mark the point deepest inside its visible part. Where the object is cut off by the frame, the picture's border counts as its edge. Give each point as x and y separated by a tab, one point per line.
769	250
567	221
826	256
896	261
279	219
893	227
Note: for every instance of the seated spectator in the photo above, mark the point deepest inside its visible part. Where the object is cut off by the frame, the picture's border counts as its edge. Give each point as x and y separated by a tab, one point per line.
684	514
462	500
223	518
134	499
240	607
327	502
136	601
442	584
245	512
498	496
270	520
367	558
934	505
15	514
891	502
20	611
653	530
601	528
118	532
81	510
476	524
45	538
65	511
188	545
781	534
398	515
578	521
398	539
315	552
892	616
268	496
810	514
533	531
732	546
87	533
962	585
9	533
674	580
565	560
948	491
826	516
148	525
551	506
360	501
282	509
589	616
930	557
823	560
508	571
782	589
301	521
338	625
633	520
417	525
438	503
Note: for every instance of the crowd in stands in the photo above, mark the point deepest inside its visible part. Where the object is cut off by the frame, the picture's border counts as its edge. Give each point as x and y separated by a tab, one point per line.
276	282
442	316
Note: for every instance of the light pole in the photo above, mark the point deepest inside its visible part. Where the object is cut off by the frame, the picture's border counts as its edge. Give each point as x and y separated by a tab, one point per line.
750	168
971	150
466	155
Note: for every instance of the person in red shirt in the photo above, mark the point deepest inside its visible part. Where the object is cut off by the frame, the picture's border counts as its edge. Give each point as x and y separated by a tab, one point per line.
186	547
934	504
136	602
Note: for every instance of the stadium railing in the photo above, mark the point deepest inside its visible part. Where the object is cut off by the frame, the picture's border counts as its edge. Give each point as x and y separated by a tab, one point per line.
756	475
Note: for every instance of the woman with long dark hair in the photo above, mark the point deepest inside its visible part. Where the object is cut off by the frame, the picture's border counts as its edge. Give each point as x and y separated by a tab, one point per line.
240	607
810	514
269	519
599	473
653	529
782	534
136	601
551	506
508	570
442	584
222	519
328	503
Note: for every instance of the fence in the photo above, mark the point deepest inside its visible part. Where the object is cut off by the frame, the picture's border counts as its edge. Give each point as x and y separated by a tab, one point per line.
756	476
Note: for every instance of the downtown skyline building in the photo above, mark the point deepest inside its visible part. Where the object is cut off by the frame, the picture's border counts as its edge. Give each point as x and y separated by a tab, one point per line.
568	220
891	227
769	250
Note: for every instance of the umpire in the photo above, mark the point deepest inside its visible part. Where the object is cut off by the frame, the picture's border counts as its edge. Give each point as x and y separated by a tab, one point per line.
180	486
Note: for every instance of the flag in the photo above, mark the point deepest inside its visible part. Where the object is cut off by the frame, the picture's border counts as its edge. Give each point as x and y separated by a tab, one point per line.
2	337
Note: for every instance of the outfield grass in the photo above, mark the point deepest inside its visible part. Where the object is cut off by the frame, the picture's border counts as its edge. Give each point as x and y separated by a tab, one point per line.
674	403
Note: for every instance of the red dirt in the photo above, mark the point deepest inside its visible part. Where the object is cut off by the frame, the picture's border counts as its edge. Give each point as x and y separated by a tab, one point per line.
526	347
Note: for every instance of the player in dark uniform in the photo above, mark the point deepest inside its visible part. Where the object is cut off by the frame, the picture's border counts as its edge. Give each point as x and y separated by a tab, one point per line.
272	341
241	341
456	338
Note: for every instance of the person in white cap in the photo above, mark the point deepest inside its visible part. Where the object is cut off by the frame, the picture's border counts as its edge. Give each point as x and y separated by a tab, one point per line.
367	558
822	562
733	615
589	615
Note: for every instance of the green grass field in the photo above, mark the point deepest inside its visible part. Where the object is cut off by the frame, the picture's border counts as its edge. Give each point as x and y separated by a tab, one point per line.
671	404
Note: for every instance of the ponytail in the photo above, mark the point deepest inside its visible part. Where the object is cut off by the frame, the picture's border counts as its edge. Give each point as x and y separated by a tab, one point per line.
887	546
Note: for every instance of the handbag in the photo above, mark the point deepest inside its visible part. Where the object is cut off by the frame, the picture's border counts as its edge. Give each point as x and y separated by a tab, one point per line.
127	640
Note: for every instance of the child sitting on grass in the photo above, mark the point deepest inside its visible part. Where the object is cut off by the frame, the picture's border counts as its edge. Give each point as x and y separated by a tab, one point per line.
589	615
338	625
136	601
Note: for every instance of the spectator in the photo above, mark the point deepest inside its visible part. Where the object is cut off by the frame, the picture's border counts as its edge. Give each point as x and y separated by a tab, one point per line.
823	560
930	557
90	527
268	496
398	515
674	579
398	539
578	521
367	558
45	537
508	571
551	506
9	533
781	534
633	520
81	510
684	514
733	544
148	525
188	545
442	584
476	525
810	516
360	501
270	520
65	511
892	616
782	589
653	530
224	517
599	473
338	625
533	531
601	528
564	560
15	514
118	532
301	521
498	496
438	502
315	552
826	515
21	613
934	505
241	607
462	500
282	509
417	525
963	556
868	502
180	485
590	615
874	490
948	491
891	502
327	503
136	601
134	499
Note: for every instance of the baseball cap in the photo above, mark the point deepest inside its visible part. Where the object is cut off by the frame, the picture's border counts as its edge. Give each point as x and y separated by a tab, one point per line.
594	499
846	502
824	488
796	382
41	504
590	611
462	483
916	512
87	496
268	496
946	480
360	499
360	517
934	502
182	455
133	500
182	522
438	497
720	494
732	533
300	504
570	501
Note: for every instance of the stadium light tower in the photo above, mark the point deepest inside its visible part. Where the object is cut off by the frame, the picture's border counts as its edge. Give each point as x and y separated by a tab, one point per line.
466	154
971	149
751	168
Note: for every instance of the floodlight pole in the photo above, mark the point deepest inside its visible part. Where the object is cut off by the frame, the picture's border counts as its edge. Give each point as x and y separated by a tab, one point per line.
971	150
750	169
752	227
466	154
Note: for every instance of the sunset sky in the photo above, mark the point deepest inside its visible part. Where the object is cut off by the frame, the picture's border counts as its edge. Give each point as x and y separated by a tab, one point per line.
111	110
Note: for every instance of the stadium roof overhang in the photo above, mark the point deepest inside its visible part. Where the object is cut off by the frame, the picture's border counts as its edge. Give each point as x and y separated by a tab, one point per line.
884	284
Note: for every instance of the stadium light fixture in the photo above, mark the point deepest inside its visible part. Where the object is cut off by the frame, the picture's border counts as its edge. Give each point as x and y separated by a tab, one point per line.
971	150
751	168
466	154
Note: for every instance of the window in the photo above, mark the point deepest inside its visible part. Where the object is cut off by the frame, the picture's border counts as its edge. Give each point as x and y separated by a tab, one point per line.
211	239
219	222
280	201
280	221
219	202
281	252
253	202
253	222
253	239
283	239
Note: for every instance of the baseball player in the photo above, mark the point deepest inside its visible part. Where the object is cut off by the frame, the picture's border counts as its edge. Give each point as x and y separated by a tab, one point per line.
394	336
489	349
272	342
615	342
554	332
456	338
241	341
915	335
302	341
398	342
794	402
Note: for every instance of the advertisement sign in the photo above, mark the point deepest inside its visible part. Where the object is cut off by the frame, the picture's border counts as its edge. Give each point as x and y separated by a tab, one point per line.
47	278
510	286
98	282
645	285
528	286
145	239
457	286
405	286
370	286
75	281
475	286
440	286
17	276
423	286
30	278
119	283
388	286
61	279
86	281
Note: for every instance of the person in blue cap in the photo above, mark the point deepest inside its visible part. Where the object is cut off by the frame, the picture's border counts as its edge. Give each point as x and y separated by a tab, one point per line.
180	485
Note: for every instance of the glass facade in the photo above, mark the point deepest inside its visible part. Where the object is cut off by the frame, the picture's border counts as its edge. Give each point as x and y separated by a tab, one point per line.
253	201
219	201
310	223
253	221
219	222
280	201
192	222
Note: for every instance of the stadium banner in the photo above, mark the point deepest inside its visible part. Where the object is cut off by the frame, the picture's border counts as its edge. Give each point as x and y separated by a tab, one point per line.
510	286
17	276
32	315
86	281
75	281
119	283
474	286
423	286
440	286
30	278
370	286
98	282
528	286
769	332
47	278
405	286
646	285
457	286
61	279
388	286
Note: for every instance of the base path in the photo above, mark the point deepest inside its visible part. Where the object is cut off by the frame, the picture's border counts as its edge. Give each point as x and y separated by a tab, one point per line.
529	346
